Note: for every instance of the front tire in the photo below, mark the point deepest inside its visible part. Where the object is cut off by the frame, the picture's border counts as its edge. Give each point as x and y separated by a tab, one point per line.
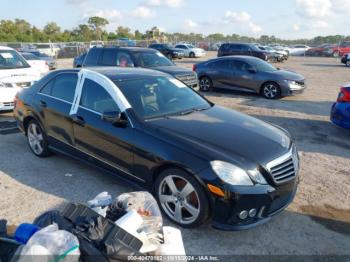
37	139
205	84
347	63
271	90
181	198
192	55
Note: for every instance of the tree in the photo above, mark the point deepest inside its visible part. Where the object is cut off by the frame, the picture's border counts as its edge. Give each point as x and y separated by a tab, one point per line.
123	32
97	23
52	29
138	35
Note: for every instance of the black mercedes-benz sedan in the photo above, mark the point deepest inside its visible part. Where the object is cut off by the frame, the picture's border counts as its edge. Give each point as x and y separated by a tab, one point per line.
200	160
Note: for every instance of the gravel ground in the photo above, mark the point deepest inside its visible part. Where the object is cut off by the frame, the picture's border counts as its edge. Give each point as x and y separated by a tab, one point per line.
316	223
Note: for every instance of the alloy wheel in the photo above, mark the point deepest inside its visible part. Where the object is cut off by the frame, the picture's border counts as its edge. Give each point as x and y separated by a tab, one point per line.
204	84
270	91
35	138
179	199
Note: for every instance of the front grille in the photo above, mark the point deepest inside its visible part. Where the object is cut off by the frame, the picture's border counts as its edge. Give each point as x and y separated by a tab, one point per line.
284	168
301	83
188	79
24	84
8	103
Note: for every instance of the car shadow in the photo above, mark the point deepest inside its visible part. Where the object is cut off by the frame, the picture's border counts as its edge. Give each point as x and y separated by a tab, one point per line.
325	65
319	108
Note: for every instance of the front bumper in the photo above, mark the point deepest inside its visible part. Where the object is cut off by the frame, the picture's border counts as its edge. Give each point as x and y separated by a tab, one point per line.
265	199
7	106
340	114
291	89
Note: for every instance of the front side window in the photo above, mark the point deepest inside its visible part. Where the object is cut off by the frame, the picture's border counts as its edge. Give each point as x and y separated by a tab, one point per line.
153	97
61	87
10	59
96	98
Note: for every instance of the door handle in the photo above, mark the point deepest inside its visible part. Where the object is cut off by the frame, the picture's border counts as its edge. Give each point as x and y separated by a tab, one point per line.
78	120
42	103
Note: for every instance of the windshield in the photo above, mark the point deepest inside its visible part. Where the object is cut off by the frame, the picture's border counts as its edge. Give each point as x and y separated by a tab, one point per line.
262	66
152	59
190	46
161	96
30	57
10	59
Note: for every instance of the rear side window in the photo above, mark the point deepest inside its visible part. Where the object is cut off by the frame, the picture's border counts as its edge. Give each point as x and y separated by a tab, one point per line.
96	98
235	48
116	58
62	87
221	64
92	57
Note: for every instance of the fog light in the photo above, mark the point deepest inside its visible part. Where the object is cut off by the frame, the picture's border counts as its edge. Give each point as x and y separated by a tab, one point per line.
243	215
252	212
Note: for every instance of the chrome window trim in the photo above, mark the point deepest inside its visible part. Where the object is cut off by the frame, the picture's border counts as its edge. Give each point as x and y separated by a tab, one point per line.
56	98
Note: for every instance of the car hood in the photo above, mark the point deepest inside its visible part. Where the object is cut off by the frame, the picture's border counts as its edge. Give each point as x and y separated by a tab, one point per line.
173	70
287	75
223	134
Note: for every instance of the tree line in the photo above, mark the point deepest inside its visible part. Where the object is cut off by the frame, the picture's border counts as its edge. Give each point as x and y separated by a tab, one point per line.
19	30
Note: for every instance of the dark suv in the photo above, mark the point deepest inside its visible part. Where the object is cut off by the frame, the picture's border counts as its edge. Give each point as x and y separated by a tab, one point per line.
169	51
138	57
244	49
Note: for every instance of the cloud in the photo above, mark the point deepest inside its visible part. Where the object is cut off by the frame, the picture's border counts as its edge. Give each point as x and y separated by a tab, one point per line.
314	8
142	12
240	17
320	25
296	27
77	2
168	3
255	28
111	15
243	18
190	23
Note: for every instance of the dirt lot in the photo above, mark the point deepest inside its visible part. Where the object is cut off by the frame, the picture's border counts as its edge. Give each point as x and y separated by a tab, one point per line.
317	222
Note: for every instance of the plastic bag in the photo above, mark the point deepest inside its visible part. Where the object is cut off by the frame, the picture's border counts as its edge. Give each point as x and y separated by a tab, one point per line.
100	203
54	243
146	206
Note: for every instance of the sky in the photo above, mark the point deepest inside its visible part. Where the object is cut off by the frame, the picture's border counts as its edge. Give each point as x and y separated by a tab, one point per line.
288	19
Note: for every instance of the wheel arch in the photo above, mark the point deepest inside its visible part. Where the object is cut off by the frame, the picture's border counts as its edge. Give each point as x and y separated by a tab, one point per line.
27	120
169	165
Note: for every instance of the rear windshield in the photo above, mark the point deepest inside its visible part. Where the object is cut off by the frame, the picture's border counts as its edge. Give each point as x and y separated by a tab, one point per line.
10	59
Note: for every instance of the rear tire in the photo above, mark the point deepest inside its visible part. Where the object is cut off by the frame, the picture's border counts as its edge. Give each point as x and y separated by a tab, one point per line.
205	84
182	198
271	90
37	139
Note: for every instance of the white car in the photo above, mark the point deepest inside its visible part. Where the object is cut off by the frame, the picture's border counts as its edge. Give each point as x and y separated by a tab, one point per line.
15	74
191	51
96	44
47	48
298	50
41	65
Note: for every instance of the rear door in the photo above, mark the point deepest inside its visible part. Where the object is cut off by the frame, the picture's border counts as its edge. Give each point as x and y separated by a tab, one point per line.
221	73
55	100
96	137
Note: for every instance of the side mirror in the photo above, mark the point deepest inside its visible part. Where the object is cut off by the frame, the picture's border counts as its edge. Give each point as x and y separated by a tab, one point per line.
252	70
117	118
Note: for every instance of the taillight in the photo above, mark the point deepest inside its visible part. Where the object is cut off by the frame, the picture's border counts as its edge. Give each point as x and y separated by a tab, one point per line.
344	95
194	67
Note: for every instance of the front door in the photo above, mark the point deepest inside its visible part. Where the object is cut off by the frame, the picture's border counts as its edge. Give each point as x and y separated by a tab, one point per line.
94	136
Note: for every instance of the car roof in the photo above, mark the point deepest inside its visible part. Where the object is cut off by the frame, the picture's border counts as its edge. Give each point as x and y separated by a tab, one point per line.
236	57
118	73
132	49
6	48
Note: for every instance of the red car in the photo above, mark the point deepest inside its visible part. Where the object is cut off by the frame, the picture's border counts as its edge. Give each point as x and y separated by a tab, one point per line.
339	50
318	50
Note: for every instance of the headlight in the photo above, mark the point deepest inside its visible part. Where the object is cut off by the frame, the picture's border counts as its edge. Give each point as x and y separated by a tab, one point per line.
231	174
290	82
257	177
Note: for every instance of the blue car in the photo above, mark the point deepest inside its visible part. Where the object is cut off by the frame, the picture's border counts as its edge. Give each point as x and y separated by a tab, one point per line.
340	114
